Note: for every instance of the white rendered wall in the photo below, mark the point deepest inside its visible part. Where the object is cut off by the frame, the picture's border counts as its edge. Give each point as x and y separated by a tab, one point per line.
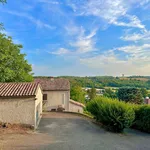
17	110
55	98
75	108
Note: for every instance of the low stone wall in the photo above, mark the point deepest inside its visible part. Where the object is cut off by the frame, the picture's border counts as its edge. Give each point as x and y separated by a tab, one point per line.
76	106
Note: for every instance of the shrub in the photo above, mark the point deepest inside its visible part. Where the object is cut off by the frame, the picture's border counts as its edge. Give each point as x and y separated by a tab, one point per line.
132	95
113	114
142	118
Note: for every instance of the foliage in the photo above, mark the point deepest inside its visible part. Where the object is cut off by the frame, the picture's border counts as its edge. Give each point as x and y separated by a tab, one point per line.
1	24
2	1
110	93
108	81
142	118
113	114
77	94
87	113
13	66
91	93
132	95
144	92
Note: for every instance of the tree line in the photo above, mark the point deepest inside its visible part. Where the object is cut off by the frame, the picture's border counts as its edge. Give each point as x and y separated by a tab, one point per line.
108	81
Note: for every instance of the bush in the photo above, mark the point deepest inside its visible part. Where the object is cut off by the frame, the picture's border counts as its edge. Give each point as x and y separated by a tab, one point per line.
142	118
132	95
113	114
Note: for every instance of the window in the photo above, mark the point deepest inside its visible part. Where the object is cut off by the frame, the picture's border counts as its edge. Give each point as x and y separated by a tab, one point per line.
44	96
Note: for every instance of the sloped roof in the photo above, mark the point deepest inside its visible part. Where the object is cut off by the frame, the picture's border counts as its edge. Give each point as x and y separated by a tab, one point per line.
53	84
18	89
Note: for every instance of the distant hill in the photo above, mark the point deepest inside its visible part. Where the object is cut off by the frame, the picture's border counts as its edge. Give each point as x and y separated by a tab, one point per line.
109	81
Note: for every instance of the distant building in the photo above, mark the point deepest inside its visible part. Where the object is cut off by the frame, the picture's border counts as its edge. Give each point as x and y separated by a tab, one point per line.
56	93
147	100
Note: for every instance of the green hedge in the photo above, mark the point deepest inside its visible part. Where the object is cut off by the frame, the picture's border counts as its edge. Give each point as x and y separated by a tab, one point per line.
142	118
113	114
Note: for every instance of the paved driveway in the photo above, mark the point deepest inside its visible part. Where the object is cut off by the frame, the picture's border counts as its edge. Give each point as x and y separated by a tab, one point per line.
70	132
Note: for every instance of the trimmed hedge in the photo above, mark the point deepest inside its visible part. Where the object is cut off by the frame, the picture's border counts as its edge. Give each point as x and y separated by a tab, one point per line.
113	114
142	118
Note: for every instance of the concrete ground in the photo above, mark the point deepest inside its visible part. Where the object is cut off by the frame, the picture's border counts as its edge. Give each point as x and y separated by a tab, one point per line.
62	131
71	132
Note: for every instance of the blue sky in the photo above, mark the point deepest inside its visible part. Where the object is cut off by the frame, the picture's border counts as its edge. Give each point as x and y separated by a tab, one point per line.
81	37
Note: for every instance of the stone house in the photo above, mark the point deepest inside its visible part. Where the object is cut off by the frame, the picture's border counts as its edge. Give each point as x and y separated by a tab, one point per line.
20	103
56	93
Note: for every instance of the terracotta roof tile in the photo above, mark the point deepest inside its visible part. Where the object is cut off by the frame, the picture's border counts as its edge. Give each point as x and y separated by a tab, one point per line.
18	89
53	84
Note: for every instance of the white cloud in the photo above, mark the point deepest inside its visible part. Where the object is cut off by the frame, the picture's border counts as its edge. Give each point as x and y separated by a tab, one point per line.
79	41
49	2
137	54
60	51
110	11
37	22
133	49
133	22
145	36
136	60
82	43
74	30
144	2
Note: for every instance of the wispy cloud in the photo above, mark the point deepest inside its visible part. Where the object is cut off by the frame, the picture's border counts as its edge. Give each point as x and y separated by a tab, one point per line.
110	11
37	22
133	21
144	36
55	2
79	41
140	53
136	61
60	51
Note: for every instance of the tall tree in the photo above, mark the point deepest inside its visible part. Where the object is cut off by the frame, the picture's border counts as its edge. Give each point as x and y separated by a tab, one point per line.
110	93
132	95
144	92
1	24
13	66
77	94
3	1
91	93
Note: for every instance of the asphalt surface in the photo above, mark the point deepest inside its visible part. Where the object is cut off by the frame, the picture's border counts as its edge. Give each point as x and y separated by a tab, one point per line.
76	133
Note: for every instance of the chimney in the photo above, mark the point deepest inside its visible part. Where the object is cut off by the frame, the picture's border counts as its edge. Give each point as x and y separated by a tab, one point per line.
52	78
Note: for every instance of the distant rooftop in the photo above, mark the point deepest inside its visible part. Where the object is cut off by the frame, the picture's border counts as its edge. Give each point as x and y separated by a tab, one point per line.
53	84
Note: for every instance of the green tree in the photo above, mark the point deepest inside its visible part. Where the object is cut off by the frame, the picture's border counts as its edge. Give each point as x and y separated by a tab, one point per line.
1	24
132	95
13	66
91	93
2	1
77	94
110	93
144	92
